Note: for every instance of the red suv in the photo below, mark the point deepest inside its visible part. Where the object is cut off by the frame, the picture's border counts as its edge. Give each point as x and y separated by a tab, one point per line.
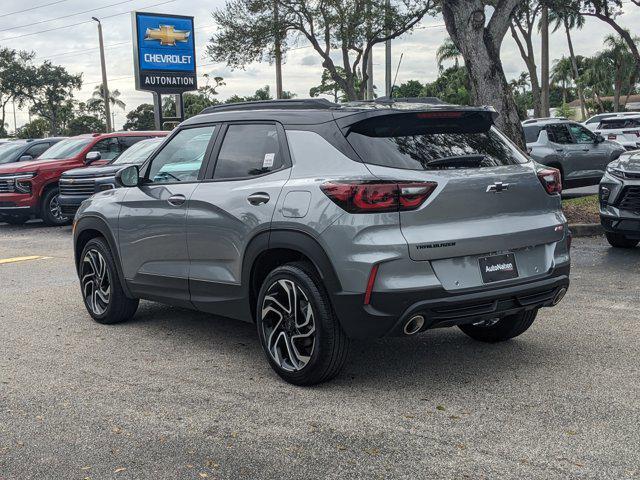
31	188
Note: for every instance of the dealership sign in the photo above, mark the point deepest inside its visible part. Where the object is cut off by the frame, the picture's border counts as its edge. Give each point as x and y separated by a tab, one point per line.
164	53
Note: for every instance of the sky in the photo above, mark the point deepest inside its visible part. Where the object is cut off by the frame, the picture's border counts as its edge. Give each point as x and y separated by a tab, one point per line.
76	47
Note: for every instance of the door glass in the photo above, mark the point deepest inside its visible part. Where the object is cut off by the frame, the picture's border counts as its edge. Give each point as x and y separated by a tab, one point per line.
248	150
559	134
581	134
180	160
126	142
109	148
37	150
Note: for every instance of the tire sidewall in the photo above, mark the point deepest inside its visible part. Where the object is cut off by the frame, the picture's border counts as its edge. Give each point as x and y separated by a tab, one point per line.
321	312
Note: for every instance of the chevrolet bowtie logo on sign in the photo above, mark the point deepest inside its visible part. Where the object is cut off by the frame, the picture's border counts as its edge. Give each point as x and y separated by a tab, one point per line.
167	35
164	53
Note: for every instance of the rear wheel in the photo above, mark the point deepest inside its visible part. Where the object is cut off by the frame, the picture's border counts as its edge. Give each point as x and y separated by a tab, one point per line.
620	241
50	210
102	291
501	329
299	332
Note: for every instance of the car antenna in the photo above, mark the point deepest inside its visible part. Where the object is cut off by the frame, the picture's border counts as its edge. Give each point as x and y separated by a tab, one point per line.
396	77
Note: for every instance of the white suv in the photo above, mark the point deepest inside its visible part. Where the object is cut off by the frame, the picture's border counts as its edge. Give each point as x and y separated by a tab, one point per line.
624	129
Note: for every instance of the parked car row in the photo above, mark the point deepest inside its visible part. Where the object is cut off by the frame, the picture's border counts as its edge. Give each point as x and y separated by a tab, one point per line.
30	186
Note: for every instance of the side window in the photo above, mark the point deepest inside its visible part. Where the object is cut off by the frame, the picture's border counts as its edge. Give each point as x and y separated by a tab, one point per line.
109	148
248	150
126	142
531	134
559	134
180	160
581	134
37	150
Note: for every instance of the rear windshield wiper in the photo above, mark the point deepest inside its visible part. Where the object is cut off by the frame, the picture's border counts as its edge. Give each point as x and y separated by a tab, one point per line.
458	161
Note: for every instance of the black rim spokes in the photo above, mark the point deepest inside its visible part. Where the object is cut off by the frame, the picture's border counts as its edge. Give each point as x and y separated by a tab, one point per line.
55	209
96	284
288	325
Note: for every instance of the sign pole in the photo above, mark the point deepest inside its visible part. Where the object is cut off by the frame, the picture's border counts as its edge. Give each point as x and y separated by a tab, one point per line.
157	110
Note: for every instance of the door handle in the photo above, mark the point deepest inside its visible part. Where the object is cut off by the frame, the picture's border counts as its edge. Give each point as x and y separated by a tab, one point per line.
258	198
176	200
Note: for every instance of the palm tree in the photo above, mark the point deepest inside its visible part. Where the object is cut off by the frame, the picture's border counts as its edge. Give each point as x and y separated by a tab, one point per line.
447	51
562	15
598	77
625	69
562	74
96	102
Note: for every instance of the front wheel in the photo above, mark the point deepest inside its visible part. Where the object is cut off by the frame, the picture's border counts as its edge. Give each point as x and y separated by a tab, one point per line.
620	241
299	332
50	210
502	329
102	292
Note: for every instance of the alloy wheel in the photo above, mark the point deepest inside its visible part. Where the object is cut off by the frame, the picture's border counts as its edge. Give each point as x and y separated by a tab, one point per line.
288	325
96	282
56	210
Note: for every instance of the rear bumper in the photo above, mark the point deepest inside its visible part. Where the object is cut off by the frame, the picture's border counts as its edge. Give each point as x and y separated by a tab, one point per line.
69	204
388	312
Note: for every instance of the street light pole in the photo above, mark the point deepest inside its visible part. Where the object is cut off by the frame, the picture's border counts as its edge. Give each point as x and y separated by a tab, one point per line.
105	88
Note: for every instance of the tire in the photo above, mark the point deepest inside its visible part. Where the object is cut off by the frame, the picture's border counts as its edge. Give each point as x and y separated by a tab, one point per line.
320	346
50	211
109	304
620	241
504	329
15	219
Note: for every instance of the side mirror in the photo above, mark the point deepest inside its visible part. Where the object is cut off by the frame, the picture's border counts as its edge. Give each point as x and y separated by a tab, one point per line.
599	138
128	176
92	157
25	158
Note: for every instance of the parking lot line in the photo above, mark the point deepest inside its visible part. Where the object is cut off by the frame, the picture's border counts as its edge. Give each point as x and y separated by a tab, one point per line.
21	259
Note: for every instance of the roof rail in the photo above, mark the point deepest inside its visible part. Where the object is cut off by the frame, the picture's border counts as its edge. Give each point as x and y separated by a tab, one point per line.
305	103
534	120
428	100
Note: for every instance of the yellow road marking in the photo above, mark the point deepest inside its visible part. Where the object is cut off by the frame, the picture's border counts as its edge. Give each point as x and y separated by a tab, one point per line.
21	259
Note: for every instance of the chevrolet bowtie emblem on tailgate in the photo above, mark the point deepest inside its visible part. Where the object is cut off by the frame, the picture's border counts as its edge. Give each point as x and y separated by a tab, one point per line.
167	35
497	187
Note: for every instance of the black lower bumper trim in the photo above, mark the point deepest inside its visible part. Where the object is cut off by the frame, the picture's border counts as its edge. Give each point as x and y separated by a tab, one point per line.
388	312
627	227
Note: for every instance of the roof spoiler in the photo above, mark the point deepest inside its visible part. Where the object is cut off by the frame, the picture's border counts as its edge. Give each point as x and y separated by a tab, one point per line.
385	121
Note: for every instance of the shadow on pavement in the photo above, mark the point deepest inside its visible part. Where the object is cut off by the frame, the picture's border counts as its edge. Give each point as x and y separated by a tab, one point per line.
435	358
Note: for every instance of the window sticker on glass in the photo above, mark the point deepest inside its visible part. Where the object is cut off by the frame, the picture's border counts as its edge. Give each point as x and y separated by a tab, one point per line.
268	160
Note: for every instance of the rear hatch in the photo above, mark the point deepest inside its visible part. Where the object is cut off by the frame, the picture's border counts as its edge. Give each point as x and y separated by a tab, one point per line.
623	130
488	203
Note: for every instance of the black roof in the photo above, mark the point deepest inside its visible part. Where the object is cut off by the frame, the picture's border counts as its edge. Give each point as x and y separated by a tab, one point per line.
311	111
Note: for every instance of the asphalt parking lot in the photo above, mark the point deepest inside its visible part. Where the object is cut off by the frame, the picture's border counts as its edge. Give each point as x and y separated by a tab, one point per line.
178	394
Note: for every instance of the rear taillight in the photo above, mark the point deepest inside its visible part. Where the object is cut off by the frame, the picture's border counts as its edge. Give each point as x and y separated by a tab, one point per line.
550	180
632	132
378	196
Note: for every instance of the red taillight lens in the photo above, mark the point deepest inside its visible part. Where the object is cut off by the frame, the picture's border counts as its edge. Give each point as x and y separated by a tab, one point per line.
377	197
550	179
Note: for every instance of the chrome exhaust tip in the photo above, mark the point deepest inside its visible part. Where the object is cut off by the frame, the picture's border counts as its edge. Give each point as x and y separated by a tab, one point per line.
414	325
559	296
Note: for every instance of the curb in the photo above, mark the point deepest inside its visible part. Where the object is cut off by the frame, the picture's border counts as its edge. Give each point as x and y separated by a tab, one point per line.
586	229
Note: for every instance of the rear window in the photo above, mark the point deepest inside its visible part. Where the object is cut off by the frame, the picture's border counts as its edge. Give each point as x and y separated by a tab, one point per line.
433	144
616	123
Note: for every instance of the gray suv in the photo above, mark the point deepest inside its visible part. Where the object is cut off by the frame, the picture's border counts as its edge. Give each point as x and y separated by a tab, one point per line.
581	155
323	223
620	201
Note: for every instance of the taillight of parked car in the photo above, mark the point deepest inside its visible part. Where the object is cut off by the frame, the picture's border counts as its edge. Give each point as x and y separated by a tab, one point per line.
550	179
632	132
378	196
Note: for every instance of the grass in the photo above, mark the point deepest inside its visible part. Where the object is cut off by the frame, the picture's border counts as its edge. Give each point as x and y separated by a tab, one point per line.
582	209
